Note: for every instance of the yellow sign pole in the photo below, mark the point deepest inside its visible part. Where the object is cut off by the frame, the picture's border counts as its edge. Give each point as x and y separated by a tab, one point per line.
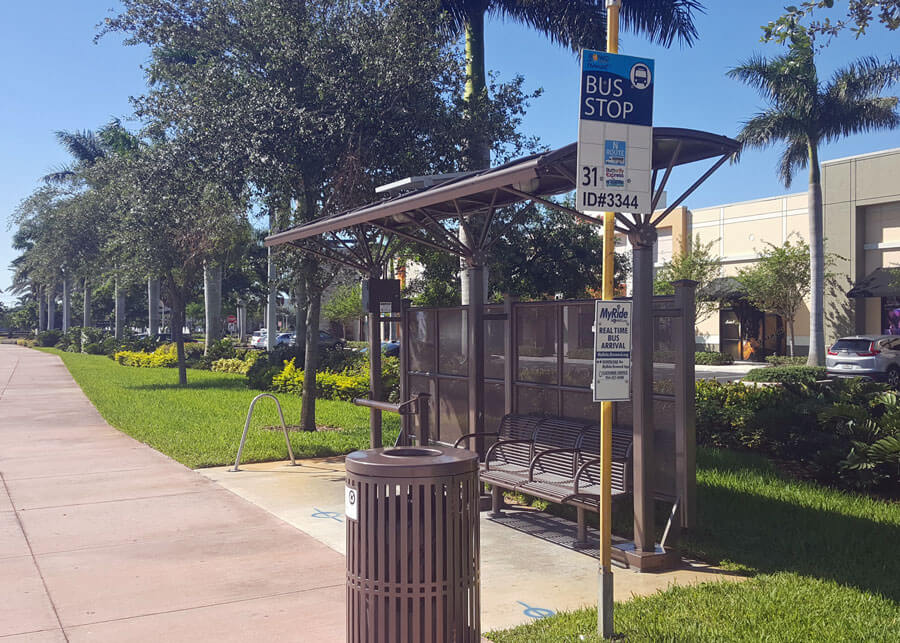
605	607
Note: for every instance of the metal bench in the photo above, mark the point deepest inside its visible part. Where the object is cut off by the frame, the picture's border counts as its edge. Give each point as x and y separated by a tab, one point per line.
558	462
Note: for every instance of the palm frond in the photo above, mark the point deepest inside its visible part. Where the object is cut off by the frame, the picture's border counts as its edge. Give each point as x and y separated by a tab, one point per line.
61	175
662	21
843	118
795	157
83	146
570	23
865	77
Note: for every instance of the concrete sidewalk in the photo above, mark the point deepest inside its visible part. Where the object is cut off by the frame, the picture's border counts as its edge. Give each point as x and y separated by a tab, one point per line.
104	539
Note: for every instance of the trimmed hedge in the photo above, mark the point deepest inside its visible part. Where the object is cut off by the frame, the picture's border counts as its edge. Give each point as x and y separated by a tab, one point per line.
786	360
164	356
711	358
787	374
235	364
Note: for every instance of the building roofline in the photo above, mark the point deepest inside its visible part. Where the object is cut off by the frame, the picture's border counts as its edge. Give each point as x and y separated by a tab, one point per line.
762	198
894	150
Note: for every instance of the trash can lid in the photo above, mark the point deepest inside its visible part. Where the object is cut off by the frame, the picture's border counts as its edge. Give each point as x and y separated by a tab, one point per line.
411	462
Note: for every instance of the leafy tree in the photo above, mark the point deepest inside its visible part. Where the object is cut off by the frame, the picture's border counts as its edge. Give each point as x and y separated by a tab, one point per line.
779	282
345	304
698	263
804	112
859	16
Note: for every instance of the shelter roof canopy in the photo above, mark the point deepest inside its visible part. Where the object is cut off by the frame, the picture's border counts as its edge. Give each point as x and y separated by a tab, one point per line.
540	175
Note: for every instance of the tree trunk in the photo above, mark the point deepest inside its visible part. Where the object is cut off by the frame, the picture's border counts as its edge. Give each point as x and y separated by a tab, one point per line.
816	262
311	358
119	310
42	311
86	318
212	298
178	303
66	305
272	301
791	329
301	309
152	307
51	308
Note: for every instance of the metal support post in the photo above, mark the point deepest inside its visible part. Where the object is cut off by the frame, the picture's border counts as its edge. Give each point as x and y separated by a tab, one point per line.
642	241
375	392
685	392
423	401
475	321
403	331
605	599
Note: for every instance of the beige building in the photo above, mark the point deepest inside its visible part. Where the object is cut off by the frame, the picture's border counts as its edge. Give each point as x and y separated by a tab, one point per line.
861	197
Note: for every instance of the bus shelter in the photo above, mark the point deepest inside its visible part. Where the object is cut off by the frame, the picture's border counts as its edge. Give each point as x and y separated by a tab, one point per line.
477	360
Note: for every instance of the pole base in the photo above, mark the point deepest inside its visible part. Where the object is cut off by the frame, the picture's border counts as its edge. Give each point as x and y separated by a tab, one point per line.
605	604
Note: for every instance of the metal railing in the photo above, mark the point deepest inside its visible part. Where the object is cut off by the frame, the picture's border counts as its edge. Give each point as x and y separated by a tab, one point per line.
287	440
416	406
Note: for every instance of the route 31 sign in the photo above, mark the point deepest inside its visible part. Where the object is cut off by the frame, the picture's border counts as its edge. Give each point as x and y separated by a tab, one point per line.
615	133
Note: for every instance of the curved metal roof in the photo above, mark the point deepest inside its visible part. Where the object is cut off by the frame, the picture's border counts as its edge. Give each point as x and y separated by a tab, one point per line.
535	176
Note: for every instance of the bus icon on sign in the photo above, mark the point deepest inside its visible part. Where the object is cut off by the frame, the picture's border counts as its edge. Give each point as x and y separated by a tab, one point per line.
640	76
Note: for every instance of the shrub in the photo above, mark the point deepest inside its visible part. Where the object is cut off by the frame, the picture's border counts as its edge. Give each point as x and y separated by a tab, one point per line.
710	358
48	338
786	360
222	349
164	356
787	374
93	349
235	364
338	386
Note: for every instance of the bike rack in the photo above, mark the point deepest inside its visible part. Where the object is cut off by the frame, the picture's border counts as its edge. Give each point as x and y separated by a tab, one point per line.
287	440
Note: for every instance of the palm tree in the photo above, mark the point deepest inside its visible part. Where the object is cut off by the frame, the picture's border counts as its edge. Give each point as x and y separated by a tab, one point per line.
571	23
804	112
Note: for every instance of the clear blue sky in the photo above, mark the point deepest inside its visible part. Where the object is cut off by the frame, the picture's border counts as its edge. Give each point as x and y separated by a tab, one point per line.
55	78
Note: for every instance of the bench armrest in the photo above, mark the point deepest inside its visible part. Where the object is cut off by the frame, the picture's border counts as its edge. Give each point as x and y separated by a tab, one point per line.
591	463
473	435
500	443
535	459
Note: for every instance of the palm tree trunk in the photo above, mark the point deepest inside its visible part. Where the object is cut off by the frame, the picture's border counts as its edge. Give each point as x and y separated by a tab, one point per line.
311	358
478	153
51	308
42	311
66	305
152	307
212	296
86	318
120	310
816	261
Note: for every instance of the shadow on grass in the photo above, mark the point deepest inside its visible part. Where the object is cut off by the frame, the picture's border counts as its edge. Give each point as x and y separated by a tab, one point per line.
204	384
748	516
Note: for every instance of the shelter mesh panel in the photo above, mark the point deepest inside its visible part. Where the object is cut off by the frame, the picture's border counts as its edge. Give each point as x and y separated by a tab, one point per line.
453	405
537	344
422	340
578	344
452	341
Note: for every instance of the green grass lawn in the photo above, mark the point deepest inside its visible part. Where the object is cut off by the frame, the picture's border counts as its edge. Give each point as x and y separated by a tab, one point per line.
200	425
825	566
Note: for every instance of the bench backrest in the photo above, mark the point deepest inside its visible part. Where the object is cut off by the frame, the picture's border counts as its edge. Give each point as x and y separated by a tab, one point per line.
558	433
589	449
517	427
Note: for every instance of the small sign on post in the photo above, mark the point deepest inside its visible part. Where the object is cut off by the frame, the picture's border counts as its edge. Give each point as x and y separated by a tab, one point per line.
615	133
612	351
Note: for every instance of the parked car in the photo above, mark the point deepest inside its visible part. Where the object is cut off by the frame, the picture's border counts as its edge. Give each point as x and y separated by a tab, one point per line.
875	357
328	342
258	340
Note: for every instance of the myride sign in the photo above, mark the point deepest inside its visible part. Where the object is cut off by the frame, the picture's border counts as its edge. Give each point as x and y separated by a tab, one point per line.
612	351
615	133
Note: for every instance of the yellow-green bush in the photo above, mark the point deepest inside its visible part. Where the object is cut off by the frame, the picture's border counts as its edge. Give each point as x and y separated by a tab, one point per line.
235	364
330	386
165	355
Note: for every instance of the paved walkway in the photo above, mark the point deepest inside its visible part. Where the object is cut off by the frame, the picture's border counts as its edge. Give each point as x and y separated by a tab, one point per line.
104	539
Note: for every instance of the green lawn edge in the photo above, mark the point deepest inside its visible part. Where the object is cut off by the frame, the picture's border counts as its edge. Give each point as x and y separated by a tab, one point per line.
200	425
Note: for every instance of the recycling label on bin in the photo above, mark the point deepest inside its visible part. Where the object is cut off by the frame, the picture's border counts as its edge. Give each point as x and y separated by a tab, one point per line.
351	503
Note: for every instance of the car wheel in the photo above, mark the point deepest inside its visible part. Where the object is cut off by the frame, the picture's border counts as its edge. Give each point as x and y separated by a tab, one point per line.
893	377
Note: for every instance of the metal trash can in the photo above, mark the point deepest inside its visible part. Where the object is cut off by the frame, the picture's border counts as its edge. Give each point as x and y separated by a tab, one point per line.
413	545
